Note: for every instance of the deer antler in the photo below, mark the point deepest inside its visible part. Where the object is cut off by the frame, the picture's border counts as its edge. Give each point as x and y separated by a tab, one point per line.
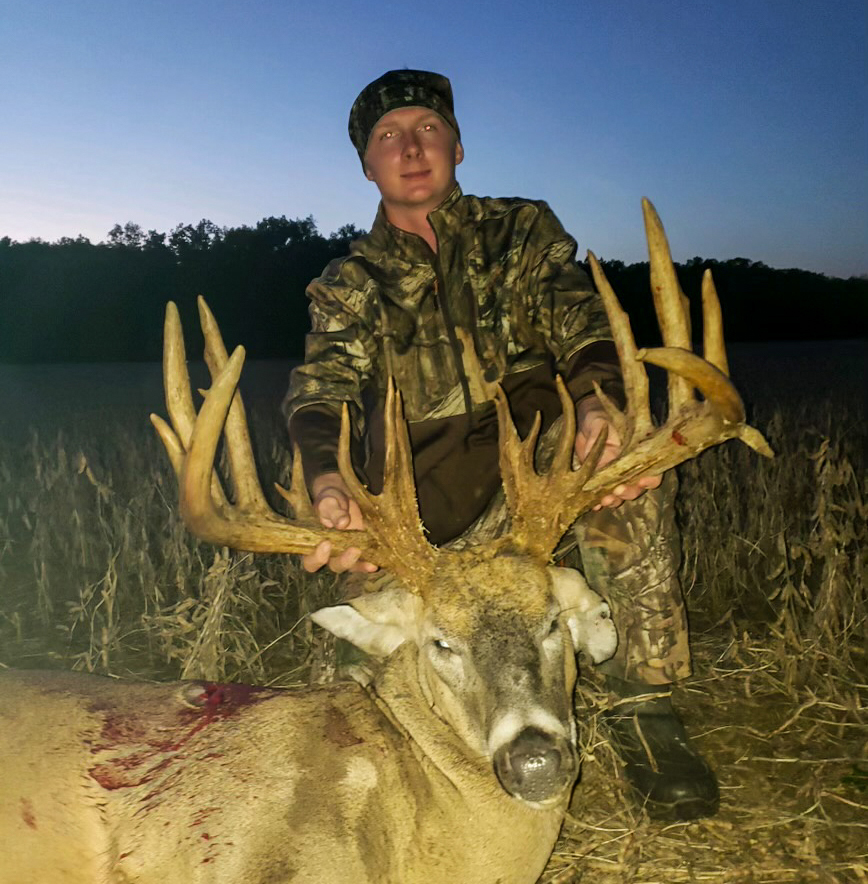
542	507
393	538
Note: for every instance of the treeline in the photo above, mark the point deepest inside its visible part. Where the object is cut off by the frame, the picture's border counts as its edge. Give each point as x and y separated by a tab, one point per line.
760	303
77	301
74	300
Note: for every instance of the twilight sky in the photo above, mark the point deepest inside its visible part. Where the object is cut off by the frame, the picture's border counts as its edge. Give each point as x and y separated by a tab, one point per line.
745	121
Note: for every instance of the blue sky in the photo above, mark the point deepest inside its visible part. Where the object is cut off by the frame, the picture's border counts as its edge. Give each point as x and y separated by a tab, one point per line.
745	121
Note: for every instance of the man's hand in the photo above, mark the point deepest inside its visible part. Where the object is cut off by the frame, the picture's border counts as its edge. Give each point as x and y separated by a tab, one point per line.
591	418
335	509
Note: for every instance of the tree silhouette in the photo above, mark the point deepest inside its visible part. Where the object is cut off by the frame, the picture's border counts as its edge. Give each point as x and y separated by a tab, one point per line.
74	300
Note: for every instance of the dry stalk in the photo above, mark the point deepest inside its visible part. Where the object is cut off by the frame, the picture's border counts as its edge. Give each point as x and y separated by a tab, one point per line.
775	559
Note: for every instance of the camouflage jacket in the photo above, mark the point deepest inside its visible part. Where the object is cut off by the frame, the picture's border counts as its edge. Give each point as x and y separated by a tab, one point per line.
502	300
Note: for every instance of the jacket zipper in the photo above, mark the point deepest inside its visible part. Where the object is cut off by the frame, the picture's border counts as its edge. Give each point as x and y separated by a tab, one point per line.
442	301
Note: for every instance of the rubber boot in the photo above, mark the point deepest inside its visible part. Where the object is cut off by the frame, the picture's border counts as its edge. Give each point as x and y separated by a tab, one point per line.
669	778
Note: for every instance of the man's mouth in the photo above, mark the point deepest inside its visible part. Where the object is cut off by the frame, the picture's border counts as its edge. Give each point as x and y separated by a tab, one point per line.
415	176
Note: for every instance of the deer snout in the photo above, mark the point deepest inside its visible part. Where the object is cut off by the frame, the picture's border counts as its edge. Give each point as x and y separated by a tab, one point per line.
536	766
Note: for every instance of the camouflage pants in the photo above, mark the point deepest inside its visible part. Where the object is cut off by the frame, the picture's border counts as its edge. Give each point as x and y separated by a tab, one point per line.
630	555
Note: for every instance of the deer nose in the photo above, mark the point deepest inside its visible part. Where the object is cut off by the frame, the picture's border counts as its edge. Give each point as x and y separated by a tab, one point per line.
536	766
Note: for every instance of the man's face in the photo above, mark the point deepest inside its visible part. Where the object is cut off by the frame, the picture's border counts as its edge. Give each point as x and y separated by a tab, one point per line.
411	157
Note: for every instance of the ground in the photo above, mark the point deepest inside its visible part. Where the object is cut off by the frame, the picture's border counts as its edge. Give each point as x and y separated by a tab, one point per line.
793	778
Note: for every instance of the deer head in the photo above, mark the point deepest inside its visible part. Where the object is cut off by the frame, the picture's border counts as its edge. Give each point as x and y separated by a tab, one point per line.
494	626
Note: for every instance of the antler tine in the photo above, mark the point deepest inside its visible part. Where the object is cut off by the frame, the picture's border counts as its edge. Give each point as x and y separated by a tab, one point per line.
541	504
637	422
543	507
179	399
516	457
297	496
392	517
670	304
176	379
171	443
722	413
713	347
248	491
687	370
722	402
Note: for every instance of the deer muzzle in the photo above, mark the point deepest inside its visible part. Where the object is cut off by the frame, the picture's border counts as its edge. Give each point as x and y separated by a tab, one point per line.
536	766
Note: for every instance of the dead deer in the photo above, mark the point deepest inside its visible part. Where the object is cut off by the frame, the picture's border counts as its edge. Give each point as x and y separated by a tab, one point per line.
455	762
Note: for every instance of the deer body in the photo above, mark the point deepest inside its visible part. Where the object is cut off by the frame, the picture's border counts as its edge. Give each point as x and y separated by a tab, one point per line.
112	781
126	783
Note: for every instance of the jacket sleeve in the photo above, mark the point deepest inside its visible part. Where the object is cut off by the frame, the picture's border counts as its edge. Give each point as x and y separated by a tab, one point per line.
563	311
339	353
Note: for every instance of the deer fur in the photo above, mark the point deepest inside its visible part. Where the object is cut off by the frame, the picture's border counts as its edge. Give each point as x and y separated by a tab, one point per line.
391	782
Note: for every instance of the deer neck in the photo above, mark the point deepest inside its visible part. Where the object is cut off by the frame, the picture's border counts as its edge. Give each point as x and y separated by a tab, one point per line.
510	841
397	691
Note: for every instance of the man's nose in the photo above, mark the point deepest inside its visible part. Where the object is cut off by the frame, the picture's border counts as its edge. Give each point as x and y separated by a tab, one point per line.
412	145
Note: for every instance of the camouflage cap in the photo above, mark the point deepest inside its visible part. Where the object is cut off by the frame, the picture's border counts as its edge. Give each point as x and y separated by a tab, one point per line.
396	89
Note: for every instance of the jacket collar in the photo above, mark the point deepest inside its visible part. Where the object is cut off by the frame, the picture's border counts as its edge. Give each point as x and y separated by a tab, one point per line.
385	239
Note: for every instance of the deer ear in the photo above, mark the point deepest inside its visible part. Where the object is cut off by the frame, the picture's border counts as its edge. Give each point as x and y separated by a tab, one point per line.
588	614
376	623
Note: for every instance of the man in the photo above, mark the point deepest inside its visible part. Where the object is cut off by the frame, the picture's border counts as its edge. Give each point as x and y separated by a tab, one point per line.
451	294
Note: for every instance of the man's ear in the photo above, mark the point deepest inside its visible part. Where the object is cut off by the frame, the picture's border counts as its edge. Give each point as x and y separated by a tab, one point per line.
368	174
459	153
376	623
588	614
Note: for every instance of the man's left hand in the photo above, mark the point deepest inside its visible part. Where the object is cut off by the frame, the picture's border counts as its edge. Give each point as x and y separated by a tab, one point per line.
591	419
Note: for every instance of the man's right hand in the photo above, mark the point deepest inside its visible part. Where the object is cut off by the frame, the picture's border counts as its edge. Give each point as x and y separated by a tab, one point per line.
335	509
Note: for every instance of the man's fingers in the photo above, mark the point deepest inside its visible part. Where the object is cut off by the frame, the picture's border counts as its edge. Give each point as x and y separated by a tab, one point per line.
333	510
628	492
610	501
315	560
346	560
350	560
649	482
339	519
637	488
